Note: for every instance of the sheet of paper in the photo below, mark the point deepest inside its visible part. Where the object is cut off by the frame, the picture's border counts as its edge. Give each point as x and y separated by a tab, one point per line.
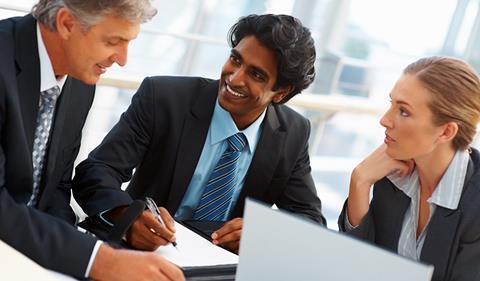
282	247
16	266
194	250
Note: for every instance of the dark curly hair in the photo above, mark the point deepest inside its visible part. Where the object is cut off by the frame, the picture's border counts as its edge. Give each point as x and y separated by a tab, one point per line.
291	42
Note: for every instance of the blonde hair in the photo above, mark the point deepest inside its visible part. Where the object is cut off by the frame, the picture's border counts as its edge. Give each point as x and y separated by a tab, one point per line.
455	89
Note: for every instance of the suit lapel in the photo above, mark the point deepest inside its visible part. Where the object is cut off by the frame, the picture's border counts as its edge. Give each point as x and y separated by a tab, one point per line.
443	226
264	162
191	144
28	83
28	76
399	205
62	108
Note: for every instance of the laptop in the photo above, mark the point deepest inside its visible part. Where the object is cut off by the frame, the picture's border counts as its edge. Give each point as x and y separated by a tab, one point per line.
280	246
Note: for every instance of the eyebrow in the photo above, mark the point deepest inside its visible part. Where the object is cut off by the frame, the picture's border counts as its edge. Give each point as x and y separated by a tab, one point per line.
400	101
118	37
403	102
254	67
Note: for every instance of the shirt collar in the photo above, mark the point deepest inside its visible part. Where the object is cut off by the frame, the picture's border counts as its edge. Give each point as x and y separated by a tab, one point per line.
408	184
448	191
47	76
223	127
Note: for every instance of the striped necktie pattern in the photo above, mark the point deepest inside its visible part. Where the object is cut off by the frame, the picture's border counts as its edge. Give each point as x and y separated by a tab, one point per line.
221	184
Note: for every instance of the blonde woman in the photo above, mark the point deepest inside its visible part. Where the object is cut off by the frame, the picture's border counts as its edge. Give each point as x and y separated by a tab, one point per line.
425	177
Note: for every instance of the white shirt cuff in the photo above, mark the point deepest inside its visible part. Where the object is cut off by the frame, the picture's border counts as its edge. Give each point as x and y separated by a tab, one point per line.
92	257
100	215
347	224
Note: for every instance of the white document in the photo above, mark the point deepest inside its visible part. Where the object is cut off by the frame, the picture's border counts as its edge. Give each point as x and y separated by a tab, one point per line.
278	246
16	266
193	250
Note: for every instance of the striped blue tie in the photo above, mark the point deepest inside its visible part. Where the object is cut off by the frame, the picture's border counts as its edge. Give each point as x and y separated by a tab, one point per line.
221	184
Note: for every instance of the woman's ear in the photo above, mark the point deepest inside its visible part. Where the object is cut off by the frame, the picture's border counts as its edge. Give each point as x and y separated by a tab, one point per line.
450	130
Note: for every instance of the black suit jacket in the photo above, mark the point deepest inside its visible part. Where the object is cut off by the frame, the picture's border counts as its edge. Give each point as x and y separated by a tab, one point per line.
452	243
47	240
162	135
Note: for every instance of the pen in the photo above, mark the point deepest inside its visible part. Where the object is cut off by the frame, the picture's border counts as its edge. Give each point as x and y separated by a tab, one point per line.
152	206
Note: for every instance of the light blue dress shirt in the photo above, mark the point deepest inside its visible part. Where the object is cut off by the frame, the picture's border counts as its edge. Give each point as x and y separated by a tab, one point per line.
221	128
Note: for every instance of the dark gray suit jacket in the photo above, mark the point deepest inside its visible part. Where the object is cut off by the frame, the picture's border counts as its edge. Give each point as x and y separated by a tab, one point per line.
452	243
35	232
162	135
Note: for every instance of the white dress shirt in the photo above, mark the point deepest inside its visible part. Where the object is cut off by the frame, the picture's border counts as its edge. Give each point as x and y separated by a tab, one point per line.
447	195
49	80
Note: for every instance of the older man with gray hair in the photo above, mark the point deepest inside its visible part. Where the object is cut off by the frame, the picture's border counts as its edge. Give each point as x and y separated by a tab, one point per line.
50	61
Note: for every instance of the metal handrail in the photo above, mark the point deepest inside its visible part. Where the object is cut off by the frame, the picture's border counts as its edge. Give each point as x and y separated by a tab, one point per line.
312	101
15	8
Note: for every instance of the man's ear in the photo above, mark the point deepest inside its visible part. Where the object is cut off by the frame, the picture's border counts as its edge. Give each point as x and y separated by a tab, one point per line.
65	23
282	93
450	130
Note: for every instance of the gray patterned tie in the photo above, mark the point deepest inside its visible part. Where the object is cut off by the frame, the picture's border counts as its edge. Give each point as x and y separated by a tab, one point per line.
48	100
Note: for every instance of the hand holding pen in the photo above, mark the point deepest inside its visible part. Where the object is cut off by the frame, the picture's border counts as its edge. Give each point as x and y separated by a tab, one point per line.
152	206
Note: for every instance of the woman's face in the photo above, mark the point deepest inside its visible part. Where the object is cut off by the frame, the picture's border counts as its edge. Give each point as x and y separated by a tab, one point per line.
410	132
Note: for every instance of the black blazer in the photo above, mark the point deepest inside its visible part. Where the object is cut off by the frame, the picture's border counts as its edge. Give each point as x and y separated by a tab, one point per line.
47	240
452	243
162	135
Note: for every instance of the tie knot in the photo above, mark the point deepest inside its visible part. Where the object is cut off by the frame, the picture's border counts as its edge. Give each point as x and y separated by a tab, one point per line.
237	142
50	96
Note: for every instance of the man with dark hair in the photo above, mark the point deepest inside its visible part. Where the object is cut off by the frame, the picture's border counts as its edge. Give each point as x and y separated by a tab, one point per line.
50	61
201	146
291	44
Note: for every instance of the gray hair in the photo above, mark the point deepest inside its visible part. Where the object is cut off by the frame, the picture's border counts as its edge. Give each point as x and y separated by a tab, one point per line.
90	12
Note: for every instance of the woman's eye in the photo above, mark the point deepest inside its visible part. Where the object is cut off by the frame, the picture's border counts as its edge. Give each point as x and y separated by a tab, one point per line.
404	113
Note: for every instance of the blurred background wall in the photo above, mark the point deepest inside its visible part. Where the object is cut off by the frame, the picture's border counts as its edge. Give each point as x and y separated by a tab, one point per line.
362	47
